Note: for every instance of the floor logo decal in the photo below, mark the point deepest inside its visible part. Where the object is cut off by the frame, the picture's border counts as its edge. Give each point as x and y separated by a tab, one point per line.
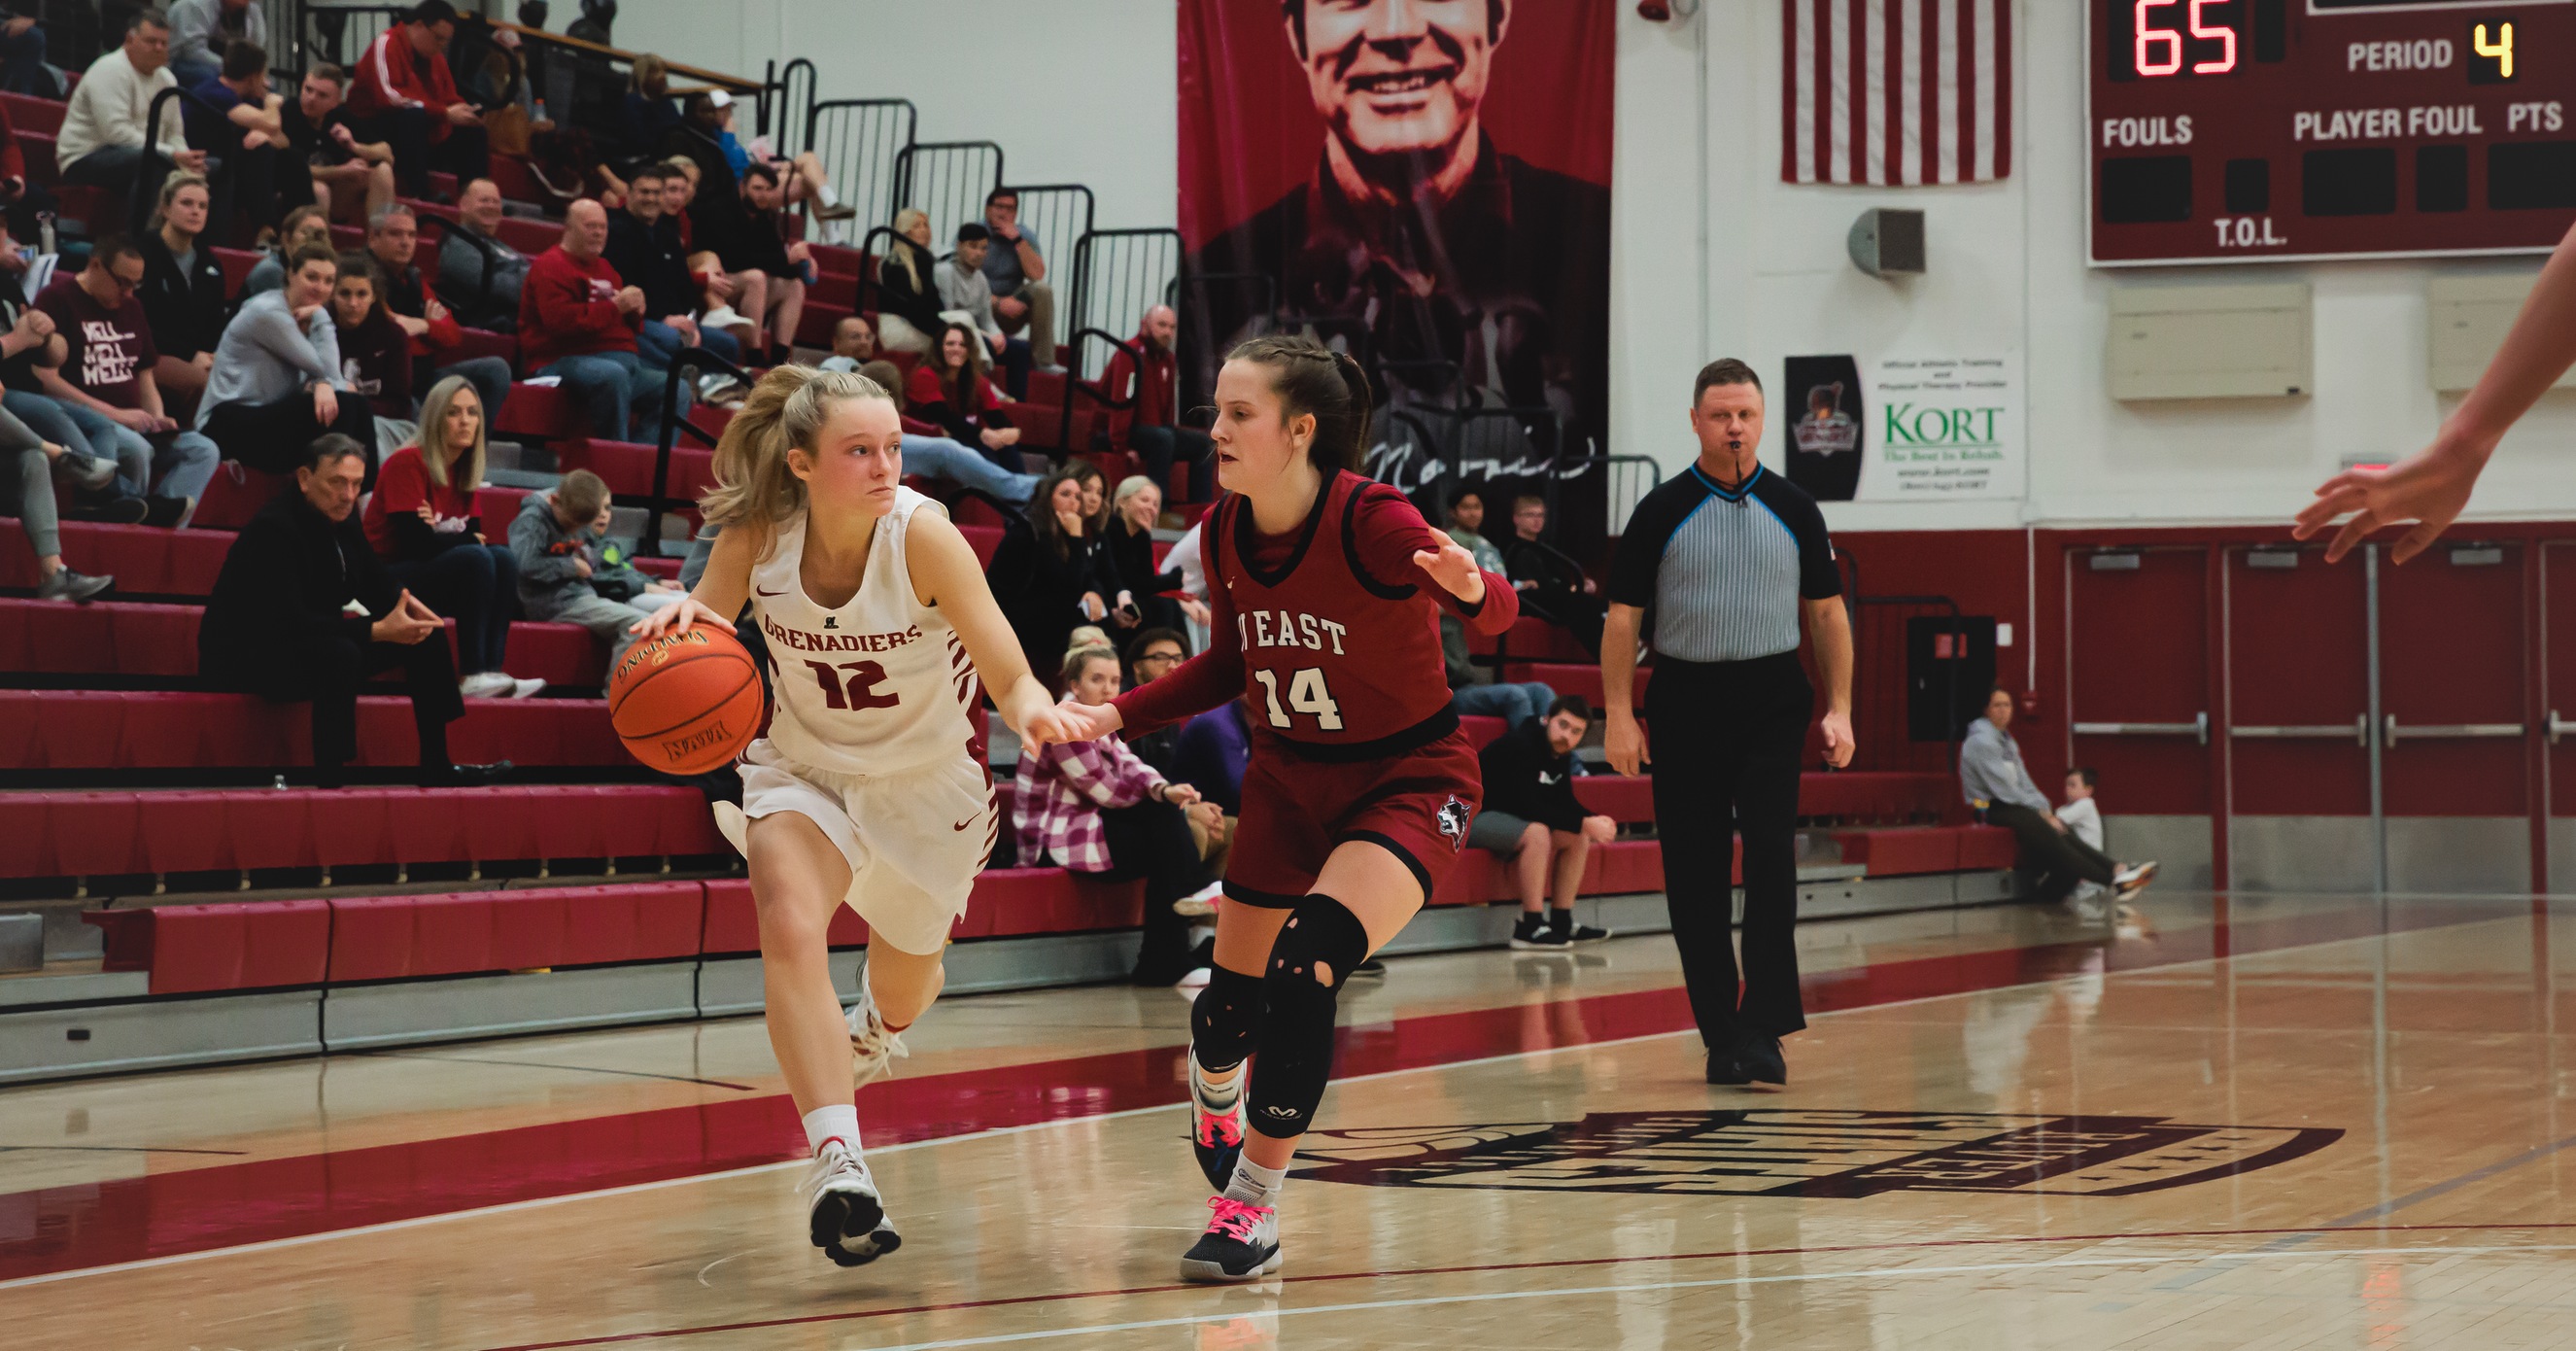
1809	1153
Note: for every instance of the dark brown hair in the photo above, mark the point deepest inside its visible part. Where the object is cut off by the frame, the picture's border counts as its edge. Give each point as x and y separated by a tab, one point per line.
1723	371
1312	379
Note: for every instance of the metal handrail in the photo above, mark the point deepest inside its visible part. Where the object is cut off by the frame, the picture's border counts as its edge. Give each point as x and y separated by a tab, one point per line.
705	361
1075	385
139	203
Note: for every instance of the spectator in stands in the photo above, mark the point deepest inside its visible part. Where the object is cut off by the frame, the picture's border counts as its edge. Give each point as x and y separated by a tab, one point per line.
339	166
1046	572
563	578
1154	429
201	31
1016	272
406	97
908	304
577	322
1151	655
482	275
949	391
422	522
932	455
101	372
1531	817
854	345
28	494
27	339
1552	585
1516	703
24	201
650	113
1212	751
233	117
278	623
1092	807
303	225
102	141
22	58
183	292
1467	527
767	269
1997	783
645	249
393	236
375	354
963	290
1184	558
277	383
1137	599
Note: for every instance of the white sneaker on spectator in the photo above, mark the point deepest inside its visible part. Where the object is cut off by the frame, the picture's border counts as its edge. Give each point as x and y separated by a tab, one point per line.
1197	979
1201	902
521	689
487	685
85	471
2133	878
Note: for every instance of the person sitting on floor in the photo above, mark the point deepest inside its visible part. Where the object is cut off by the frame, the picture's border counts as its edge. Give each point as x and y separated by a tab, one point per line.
564	579
1531	817
277	382
1996	782
1092	807
422	522
278	623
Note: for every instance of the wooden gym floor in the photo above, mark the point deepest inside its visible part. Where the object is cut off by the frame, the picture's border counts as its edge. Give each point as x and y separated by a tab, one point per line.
2291	1122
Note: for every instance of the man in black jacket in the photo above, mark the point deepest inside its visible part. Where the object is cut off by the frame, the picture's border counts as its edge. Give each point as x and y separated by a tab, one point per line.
644	246
277	624
1531	817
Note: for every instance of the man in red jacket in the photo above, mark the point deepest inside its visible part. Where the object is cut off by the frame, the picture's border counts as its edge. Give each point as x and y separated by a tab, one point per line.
407	99
577	322
1153	425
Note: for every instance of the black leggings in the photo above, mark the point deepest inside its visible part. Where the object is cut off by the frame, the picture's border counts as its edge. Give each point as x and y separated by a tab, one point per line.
477	585
1152	840
271	437
1726	738
2060	859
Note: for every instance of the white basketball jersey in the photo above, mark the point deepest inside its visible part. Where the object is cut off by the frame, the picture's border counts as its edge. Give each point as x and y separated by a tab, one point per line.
877	686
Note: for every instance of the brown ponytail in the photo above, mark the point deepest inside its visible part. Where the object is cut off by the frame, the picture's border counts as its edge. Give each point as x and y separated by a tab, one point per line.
1312	379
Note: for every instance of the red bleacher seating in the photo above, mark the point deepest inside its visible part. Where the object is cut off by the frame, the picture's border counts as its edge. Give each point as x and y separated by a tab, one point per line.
145	560
194	729
530	237
628	466
405	937
543	412
134	638
1570	678
99	833
1530	638
30	113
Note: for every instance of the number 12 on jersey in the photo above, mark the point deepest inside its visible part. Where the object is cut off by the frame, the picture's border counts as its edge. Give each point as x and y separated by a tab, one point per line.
1306	694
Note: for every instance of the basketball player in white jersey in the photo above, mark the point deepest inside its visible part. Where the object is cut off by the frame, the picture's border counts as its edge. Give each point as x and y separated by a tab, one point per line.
865	791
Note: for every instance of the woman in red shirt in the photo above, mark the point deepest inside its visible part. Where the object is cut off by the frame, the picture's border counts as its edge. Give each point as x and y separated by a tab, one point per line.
1361	785
949	390
423	525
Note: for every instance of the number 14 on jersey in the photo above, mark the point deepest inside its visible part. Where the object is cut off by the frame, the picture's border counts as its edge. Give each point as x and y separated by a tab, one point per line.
1306	694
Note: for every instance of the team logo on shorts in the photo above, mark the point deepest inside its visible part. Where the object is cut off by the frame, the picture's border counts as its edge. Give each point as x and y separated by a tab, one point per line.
1453	823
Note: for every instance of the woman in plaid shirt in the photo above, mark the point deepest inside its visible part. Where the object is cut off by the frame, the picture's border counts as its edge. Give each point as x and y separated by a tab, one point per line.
1093	807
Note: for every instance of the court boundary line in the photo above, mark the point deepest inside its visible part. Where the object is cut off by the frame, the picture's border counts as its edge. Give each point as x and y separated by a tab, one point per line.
2145	1259
531	1203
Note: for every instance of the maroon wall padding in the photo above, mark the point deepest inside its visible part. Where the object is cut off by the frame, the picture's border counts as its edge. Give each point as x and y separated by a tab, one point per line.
1902	852
1986	848
259	945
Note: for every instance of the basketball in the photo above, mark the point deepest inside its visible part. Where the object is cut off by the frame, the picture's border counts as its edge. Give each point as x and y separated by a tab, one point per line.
685	703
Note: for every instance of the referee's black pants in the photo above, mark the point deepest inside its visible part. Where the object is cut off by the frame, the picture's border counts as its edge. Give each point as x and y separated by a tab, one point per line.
1726	739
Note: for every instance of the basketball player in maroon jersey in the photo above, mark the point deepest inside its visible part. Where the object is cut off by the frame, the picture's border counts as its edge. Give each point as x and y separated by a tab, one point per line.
2431	487
1326	590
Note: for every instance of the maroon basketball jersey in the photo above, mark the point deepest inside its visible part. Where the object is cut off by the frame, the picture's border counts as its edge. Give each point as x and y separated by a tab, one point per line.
1345	665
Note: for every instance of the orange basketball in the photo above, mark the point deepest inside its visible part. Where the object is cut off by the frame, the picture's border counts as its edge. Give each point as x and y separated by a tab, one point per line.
686	703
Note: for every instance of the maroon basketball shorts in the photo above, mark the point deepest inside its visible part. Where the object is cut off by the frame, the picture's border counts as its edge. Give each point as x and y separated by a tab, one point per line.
1298	809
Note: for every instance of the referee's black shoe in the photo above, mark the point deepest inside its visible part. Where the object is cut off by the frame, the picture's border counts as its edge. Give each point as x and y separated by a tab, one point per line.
1758	1059
1723	1069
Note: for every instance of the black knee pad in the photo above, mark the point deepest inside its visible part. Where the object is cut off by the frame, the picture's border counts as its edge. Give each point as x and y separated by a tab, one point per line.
1322	938
1224	1018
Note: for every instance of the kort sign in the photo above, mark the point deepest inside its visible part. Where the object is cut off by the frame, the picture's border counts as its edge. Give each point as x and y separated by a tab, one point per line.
1949	429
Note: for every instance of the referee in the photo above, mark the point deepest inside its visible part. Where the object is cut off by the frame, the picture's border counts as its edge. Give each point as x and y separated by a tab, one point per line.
1725	556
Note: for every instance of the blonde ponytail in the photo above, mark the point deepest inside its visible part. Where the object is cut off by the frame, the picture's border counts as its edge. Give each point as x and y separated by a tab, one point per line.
755	489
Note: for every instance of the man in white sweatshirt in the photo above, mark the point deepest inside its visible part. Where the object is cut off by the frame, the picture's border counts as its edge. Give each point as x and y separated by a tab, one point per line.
102	141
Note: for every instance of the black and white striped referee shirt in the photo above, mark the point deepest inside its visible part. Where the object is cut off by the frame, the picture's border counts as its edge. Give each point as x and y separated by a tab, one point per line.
1721	572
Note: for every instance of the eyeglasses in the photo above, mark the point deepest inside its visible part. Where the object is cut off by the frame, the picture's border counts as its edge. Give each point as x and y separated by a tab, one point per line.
1159	658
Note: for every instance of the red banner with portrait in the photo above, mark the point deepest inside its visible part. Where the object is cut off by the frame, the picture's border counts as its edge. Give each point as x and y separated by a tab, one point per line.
1422	183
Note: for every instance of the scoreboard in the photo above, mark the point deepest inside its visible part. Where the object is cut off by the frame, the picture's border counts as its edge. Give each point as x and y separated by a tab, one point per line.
2231	131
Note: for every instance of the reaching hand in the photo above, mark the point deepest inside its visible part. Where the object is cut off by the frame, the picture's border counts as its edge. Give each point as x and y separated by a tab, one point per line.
677	619
1839	744
1180	795
326	405
1195	610
1050	725
1624	743
1090	722
406	623
1454	569
2430	488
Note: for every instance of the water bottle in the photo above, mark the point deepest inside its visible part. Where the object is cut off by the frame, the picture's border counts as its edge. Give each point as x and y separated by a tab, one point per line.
279	783
538	114
45	233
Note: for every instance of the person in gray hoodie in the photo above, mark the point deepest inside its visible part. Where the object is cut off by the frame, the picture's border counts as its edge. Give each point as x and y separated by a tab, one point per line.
563	577
276	382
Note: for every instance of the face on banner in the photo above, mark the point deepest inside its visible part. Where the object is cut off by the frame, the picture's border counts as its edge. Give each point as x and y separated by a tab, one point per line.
1422	184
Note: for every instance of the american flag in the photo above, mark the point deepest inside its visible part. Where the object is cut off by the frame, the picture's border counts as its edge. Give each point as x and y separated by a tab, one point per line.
1896	92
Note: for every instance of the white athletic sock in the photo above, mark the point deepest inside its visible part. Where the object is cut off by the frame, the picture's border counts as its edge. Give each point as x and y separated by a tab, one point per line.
840	1121
1215	1092
1254	1184
827	196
